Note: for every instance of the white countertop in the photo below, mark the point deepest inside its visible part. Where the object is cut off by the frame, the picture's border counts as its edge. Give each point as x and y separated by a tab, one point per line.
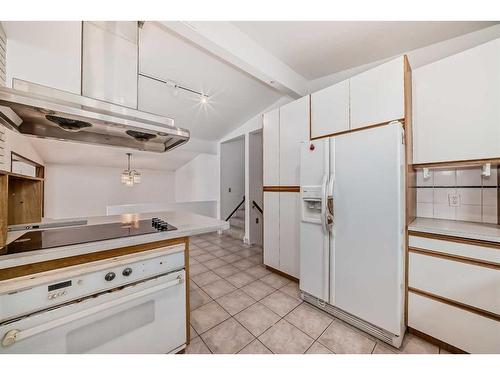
465	229
188	224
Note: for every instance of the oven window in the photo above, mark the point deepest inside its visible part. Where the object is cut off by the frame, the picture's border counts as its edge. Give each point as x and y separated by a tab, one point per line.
97	333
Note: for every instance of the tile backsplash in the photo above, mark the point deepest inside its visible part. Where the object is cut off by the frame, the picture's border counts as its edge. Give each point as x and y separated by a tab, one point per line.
458	194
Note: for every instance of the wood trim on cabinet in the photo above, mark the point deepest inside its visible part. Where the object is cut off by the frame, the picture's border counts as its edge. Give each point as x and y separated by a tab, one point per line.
457	163
48	265
410	175
277	189
188	280
357	129
459	305
441	344
444	237
281	273
455	258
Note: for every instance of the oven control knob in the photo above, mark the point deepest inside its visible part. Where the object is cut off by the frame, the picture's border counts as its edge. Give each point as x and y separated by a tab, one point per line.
109	276
127	271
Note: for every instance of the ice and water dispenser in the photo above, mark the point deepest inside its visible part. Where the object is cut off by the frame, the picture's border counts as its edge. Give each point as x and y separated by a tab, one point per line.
311	204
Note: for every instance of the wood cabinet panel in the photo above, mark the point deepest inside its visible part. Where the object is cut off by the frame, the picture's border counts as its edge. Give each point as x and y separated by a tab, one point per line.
271	229
271	147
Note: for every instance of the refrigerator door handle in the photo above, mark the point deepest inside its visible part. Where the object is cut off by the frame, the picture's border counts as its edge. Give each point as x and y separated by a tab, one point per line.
329	203
324	218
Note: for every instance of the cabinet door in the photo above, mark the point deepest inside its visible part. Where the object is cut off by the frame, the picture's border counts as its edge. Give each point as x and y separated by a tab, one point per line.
377	95
289	233
271	147
294	128
271	229
456	111
330	110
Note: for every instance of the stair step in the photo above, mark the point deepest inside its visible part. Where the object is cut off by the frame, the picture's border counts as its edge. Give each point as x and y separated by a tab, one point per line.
237	222
235	233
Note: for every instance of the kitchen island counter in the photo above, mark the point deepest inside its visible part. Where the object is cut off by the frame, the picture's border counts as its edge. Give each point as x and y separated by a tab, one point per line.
187	224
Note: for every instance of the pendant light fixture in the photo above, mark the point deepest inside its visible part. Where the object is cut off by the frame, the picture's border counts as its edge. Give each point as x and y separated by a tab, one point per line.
130	177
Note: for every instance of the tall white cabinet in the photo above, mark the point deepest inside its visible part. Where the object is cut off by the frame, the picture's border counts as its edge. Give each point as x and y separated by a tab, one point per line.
283	130
456	111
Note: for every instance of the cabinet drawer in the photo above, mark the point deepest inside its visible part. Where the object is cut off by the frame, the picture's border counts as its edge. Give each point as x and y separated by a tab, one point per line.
488	254
466	283
460	328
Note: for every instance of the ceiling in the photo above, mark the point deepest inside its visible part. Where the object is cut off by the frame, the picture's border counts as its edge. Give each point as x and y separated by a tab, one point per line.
315	49
234	96
59	152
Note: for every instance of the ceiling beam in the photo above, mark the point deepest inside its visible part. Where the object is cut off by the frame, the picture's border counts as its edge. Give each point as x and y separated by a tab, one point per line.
230	44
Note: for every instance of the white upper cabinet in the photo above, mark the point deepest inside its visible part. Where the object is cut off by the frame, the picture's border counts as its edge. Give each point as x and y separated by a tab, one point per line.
110	61
330	110
47	53
377	95
271	147
456	106
294	128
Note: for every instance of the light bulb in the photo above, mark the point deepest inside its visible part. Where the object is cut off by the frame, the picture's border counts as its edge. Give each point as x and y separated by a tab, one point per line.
203	99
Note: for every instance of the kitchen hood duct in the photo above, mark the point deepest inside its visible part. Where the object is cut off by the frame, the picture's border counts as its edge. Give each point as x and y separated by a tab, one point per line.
45	112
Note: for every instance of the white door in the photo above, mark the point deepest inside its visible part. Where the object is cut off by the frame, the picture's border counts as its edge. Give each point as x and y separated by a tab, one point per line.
289	233
314	246
271	147
377	95
271	229
330	110
294	128
456	111
368	232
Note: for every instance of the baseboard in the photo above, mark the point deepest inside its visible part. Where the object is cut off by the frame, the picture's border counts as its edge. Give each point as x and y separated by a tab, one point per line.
437	342
281	273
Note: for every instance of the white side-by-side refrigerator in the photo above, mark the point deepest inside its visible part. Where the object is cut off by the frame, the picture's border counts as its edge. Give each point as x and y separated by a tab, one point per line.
352	229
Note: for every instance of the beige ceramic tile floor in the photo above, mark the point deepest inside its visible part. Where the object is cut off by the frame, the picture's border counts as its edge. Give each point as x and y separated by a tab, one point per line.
238	306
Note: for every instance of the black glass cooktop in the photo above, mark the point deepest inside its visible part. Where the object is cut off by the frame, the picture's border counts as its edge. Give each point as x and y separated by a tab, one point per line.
46	239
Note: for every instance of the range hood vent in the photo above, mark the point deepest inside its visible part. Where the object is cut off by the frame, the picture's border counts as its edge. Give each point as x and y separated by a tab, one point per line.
45	112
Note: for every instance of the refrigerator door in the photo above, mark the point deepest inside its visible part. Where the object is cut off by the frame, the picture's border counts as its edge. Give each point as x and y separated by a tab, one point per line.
314	246
368	230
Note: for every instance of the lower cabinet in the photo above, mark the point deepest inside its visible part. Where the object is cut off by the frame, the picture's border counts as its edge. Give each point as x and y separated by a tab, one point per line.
454	292
281	231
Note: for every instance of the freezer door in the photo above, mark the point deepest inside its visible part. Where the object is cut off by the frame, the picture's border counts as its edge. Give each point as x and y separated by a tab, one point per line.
314	247
367	237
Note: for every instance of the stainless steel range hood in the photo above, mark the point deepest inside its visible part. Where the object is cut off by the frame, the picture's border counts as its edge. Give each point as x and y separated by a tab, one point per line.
45	112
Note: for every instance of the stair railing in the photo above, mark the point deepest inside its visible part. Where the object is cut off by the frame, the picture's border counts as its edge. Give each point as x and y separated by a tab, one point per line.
236	209
255	205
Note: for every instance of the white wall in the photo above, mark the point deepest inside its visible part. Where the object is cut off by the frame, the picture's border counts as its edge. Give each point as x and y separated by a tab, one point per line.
232	175
198	179
81	191
20	144
47	53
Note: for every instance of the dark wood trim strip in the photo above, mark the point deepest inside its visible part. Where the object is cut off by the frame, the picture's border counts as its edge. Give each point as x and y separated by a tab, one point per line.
441	344
402	120
456	258
459	305
444	237
281	273
188	280
457	163
33	268
275	189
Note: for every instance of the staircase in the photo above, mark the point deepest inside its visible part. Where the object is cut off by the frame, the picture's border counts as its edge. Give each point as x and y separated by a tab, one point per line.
237	224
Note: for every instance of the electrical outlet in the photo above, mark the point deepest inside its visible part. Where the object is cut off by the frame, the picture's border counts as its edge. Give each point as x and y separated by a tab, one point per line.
454	200
229	190
256	220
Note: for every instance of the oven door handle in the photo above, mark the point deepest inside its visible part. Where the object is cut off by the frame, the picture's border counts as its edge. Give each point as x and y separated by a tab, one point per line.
15	335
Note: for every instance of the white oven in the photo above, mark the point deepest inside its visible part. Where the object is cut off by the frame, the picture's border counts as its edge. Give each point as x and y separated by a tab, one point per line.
147	315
